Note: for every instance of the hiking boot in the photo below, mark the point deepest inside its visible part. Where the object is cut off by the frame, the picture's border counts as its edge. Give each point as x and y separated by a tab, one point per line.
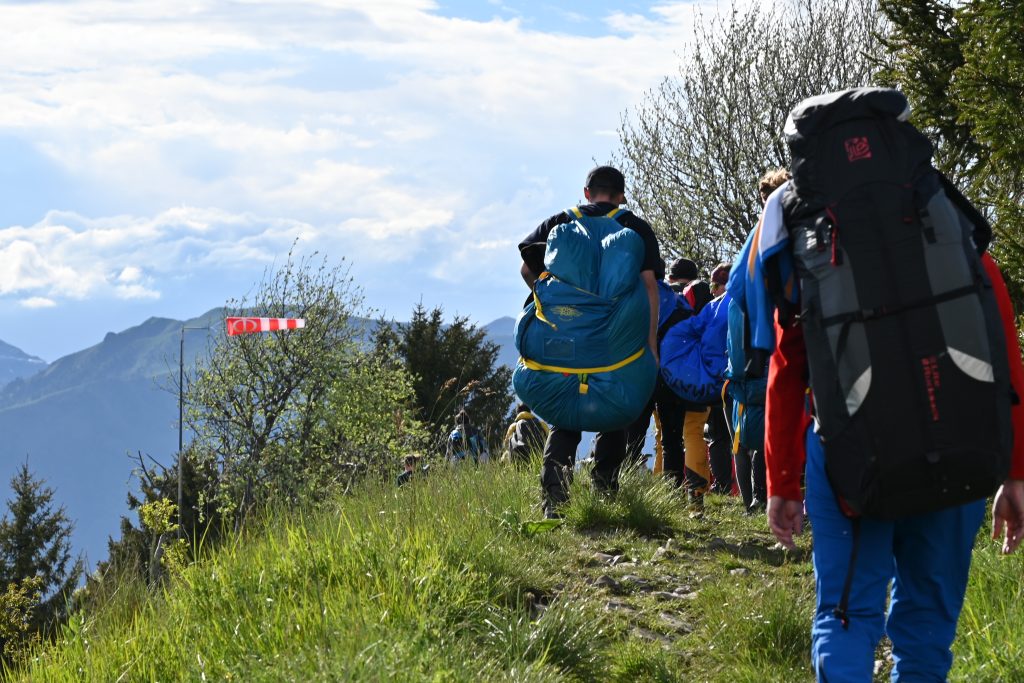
552	513
696	503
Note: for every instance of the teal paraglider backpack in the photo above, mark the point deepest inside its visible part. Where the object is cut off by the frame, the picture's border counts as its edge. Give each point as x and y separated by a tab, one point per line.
583	337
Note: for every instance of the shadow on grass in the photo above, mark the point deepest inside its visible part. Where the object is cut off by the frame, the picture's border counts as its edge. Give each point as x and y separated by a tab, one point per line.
754	550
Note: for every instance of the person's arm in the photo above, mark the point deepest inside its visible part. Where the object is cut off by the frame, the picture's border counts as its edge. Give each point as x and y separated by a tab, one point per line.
529	277
532	248
1008	506
785	428
651	285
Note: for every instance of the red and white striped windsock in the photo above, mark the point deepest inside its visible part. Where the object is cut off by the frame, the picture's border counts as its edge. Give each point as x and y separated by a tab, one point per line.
251	325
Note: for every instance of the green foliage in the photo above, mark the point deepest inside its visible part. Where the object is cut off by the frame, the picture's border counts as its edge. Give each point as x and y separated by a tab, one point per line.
17	604
35	544
287	416
136	556
962	67
168	552
695	148
453	368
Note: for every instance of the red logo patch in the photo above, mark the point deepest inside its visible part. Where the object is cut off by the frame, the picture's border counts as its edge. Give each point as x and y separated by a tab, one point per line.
857	149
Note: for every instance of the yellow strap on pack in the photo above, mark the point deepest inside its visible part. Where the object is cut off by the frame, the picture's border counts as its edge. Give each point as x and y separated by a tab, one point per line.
536	302
534	365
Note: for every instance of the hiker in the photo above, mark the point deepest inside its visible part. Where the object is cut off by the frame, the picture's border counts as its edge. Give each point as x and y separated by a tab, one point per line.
670	306
693	365
525	436
409	462
684	279
465	441
719	436
912	391
747	385
605	192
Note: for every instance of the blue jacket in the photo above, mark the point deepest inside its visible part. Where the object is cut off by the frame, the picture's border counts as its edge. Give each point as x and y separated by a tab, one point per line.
693	353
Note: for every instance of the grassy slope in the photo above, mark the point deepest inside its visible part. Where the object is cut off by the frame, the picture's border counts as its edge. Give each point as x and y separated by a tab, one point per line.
444	580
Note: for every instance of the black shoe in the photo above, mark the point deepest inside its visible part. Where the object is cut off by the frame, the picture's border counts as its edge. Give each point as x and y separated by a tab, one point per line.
757	507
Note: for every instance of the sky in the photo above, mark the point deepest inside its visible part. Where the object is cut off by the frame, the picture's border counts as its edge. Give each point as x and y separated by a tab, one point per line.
157	156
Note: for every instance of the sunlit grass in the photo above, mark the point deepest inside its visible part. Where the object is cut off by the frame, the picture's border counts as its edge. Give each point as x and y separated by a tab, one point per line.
450	578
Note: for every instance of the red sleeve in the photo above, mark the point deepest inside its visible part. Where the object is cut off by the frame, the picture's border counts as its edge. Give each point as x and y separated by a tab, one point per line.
1016	366
786	420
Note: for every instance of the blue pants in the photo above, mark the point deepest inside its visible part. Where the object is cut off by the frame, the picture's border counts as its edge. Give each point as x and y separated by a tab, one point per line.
927	559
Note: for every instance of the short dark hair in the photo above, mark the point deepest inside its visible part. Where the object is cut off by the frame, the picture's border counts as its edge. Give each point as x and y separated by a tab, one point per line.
683	269
607	179
522	407
462	417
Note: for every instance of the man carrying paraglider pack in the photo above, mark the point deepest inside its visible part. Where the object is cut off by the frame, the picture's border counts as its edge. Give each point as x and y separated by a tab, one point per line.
588	337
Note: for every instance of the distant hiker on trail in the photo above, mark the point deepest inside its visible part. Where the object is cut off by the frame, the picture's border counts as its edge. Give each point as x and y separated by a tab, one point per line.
525	436
409	462
673	307
685	279
746	385
719	434
906	338
465	441
693	363
610	264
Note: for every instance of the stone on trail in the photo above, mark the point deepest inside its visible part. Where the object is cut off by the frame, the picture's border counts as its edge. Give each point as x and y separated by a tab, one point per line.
605	581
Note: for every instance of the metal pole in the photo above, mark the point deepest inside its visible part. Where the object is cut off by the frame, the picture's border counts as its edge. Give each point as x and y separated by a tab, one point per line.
181	420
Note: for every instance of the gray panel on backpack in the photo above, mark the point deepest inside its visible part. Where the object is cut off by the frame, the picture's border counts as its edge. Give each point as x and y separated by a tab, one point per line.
907	359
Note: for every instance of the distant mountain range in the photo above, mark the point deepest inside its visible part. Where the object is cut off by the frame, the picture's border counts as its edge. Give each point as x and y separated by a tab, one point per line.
15	363
77	420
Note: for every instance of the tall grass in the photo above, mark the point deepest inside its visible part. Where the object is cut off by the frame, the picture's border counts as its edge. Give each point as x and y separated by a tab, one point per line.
406	584
644	503
990	637
453	578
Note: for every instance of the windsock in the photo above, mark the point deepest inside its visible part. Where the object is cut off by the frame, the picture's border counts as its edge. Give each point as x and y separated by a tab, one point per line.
253	325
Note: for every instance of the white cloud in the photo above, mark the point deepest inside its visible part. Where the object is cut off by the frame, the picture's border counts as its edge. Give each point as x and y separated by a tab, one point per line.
383	131
130	274
37	302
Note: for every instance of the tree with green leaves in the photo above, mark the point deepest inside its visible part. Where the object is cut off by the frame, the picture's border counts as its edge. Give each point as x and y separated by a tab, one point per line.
35	547
454	367
276	414
962	67
696	146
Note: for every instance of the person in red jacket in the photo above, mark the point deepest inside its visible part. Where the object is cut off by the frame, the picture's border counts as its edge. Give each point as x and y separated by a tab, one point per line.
925	557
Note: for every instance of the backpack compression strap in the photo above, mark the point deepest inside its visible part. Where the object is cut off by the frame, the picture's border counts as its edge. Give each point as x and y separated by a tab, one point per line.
583	373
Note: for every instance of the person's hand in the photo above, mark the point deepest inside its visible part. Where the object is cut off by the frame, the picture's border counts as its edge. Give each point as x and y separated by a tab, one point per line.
1008	514
786	519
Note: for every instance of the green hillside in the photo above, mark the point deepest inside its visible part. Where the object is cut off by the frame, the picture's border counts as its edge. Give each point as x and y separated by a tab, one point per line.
447	579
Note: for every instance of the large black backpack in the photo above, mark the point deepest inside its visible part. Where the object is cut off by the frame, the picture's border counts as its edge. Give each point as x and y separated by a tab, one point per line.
908	363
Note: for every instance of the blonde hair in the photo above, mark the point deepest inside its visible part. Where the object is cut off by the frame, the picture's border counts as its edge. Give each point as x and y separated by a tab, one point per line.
771	181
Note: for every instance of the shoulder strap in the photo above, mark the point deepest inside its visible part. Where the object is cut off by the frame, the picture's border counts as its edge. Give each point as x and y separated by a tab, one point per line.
614	213
574	212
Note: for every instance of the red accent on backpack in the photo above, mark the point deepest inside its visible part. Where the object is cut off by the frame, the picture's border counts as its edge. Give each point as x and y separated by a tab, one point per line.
857	149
